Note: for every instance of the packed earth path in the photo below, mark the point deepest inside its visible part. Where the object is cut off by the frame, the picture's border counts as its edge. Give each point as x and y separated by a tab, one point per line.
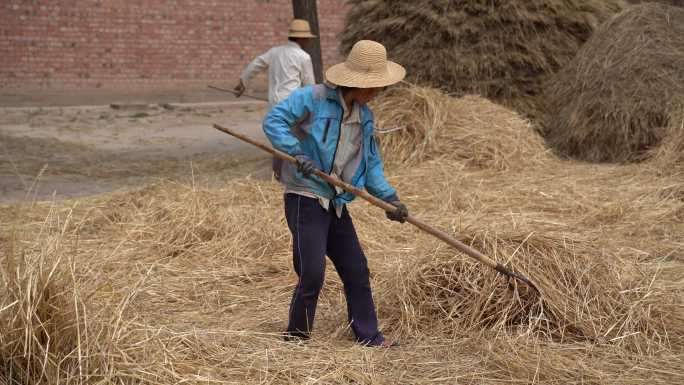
61	150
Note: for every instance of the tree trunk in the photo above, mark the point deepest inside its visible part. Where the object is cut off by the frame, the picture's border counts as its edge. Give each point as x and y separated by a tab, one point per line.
306	9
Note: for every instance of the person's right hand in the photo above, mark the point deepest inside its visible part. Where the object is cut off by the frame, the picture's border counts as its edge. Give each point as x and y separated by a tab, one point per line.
305	165
239	89
399	214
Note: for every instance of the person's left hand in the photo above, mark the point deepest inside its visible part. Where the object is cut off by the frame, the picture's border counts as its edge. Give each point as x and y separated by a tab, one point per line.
399	214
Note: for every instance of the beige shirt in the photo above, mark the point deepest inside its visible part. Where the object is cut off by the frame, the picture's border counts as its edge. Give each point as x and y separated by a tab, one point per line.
348	147
289	67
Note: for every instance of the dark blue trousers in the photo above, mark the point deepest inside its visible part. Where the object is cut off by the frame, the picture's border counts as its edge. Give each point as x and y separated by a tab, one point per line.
317	232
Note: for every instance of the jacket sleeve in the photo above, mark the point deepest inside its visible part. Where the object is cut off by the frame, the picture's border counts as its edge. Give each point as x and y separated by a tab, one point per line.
376	184
259	64
283	116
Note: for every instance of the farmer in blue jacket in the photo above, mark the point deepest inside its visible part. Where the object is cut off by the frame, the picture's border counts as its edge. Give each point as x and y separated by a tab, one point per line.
329	127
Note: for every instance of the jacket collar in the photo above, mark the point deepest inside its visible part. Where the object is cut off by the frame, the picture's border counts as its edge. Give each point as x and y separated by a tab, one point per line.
331	91
333	95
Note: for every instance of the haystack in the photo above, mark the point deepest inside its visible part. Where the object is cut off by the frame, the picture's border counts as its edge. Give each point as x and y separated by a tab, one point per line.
499	49
623	95
425	123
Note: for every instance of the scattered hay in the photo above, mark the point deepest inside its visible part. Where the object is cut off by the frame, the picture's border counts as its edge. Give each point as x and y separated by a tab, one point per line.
587	297
623	95
499	49
181	282
35	308
679	3
518	361
172	220
432	125
178	282
45	334
586	234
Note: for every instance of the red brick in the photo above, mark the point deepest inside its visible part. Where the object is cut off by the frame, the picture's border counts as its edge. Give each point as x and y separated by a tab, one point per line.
124	44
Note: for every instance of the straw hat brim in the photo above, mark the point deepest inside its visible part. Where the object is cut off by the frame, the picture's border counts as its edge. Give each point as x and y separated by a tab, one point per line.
342	75
303	35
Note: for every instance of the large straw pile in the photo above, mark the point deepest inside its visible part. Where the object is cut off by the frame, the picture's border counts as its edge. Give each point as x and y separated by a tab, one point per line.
174	283
499	49
623	95
425	123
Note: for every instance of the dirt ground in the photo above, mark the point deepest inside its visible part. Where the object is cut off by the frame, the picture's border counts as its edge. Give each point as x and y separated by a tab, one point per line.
87	143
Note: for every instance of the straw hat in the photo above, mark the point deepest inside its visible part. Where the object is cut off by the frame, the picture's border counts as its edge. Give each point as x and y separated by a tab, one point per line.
300	28
366	67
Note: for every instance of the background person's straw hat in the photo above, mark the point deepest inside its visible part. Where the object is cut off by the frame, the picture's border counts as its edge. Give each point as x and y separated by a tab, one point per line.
366	67
300	28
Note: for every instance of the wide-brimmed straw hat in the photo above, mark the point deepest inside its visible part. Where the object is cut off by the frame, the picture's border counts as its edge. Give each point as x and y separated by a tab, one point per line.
300	28
366	67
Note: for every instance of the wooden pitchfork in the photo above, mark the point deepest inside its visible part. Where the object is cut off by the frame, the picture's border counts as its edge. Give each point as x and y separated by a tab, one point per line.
460	246
236	94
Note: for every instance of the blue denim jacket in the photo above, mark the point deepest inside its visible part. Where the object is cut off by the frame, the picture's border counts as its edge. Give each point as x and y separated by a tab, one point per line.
308	123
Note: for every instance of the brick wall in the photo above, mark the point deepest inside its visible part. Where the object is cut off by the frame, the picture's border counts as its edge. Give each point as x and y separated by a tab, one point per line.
82	44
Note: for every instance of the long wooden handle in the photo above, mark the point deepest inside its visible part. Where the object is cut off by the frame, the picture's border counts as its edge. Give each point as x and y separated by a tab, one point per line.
236	94
387	207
